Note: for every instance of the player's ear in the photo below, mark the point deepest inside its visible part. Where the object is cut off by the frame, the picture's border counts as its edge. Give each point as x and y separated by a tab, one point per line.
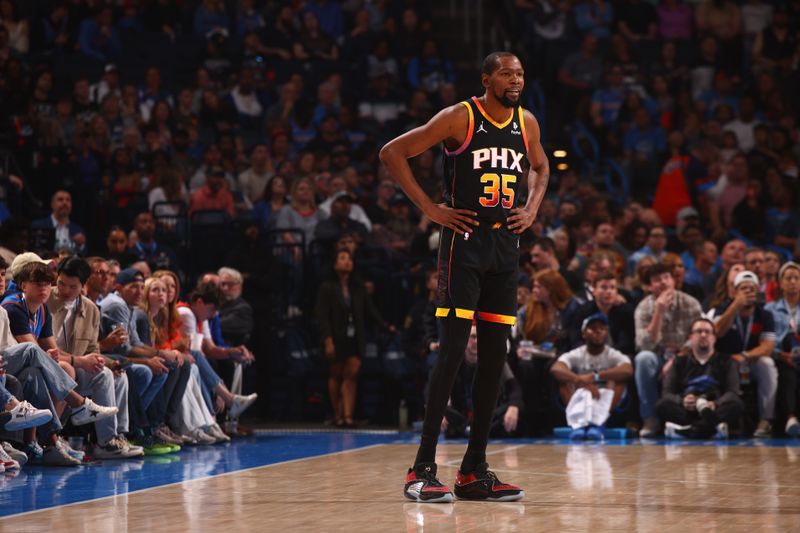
485	80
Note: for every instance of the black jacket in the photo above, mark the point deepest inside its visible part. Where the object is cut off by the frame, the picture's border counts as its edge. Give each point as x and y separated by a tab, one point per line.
722	370
332	314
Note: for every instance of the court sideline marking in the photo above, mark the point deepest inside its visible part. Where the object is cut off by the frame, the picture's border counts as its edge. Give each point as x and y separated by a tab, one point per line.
205	478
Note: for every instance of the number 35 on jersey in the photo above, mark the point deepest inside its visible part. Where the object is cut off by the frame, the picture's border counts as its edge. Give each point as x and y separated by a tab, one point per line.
498	188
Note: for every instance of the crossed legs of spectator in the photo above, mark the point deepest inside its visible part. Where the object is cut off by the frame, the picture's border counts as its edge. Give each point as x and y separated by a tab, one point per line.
48	386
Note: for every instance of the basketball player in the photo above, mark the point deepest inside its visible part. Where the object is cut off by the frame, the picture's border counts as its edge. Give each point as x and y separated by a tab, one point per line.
492	145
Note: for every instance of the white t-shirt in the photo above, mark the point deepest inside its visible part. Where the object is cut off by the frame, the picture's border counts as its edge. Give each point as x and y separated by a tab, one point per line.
6	338
581	362
189	324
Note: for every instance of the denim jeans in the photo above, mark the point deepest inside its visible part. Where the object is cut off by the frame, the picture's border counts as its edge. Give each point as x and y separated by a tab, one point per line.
40	377
647	367
29	355
100	387
5	396
145	382
209	380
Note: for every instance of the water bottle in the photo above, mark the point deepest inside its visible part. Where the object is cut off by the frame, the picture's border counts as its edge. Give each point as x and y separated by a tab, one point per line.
525	350
744	372
402	416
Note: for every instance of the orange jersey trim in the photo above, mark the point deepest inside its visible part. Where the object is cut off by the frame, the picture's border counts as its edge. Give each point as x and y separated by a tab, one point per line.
498	319
490	119
469	133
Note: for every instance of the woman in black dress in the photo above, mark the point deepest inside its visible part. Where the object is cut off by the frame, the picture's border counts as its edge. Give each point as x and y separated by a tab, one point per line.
343	306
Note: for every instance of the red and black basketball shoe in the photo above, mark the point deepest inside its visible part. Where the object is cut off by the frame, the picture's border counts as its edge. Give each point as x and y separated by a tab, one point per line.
422	485
482	484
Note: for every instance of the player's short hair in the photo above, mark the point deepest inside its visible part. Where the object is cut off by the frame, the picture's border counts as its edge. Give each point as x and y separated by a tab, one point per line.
492	61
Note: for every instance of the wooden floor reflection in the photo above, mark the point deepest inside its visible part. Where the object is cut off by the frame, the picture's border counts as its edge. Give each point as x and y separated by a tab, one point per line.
569	488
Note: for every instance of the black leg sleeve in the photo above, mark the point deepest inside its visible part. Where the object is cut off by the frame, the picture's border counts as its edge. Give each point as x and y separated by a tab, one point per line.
455	334
492	349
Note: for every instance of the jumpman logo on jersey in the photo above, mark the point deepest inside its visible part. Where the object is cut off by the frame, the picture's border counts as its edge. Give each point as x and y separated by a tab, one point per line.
481	128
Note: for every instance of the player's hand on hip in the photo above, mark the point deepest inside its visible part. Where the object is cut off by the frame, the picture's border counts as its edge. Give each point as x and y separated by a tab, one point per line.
459	220
520	220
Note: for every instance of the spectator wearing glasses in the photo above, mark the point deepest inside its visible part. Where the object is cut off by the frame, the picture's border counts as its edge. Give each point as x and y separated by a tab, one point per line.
701	389
663	321
100	280
236	315
746	333
30	323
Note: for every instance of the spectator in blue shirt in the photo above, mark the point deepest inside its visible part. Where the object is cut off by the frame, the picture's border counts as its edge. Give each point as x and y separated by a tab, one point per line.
644	142
607	101
595	17
210	16
429	70
97	37
329	15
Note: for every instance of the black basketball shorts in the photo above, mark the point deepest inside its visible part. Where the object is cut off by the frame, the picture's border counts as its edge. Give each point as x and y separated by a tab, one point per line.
478	274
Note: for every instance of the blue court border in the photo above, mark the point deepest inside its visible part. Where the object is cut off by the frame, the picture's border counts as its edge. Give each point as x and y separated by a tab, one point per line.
37	488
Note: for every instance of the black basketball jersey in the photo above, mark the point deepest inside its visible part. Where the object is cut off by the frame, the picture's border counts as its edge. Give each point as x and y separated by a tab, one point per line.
485	172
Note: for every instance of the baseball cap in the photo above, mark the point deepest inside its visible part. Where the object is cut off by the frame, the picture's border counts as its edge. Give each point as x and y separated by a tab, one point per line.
398	199
744	276
596	317
111	67
22	260
687	212
129	275
341	195
786	266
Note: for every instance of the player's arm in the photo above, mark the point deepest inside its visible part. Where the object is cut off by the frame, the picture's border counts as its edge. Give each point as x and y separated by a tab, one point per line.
450	123
538	176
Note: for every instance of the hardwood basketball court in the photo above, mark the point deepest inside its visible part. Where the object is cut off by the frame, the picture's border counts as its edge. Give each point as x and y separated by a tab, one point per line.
605	487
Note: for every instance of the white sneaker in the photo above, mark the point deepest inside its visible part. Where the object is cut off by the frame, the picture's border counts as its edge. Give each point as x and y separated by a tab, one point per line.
763	432
90	412
792	427
25	416
17	455
701	404
132	449
671	430
202	437
6	462
722	431
240	404
63	445
55	456
215	431
649	428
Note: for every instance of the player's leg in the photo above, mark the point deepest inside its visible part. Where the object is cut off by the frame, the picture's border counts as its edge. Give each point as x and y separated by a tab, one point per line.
459	288
492	349
455	334
495	315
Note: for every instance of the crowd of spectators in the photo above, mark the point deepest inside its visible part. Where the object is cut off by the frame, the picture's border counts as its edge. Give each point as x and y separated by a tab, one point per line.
186	136
77	327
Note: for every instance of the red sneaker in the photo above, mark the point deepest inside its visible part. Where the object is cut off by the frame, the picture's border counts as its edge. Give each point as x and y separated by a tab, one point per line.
482	484
423	487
